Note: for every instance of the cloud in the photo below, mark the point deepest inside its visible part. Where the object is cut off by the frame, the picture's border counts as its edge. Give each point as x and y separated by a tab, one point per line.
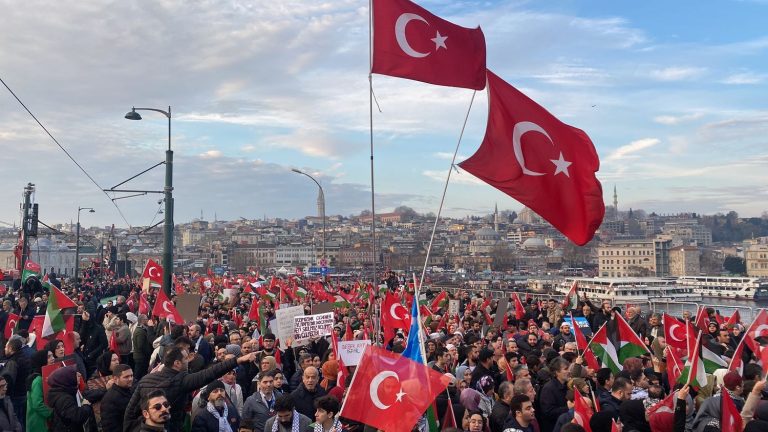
248	148
630	149
745	78
574	75
677	73
460	177
449	156
211	154
676	120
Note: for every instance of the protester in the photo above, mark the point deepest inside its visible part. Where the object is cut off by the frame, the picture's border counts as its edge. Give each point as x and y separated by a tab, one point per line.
8	420
38	412
156	412
218	414
115	401
68	415
286	418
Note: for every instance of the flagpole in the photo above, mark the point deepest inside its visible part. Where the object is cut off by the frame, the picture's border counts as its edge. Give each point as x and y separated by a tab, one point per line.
377	312
445	190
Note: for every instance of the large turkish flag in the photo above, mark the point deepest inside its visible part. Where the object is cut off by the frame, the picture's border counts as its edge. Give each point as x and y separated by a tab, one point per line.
153	271
547	165
393	316
165	308
410	42
390	392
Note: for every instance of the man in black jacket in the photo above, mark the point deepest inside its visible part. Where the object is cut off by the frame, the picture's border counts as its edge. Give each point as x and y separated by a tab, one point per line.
16	370
501	408
177	383
304	396
552	398
116	399
95	337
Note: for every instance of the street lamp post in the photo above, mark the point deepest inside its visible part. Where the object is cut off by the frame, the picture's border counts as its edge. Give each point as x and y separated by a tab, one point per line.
168	192
320	202
77	240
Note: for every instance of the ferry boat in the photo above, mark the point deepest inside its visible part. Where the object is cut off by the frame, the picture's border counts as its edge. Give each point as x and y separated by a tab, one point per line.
631	290
736	287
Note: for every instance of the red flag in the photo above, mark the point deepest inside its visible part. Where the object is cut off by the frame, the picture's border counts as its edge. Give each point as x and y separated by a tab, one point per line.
391	392
341	378
583	347
763	356
153	271
393	315
616	426
733	320
730	417
143	303
581	411
348	333
253	314
13	319
519	308
702	320
449	419
674	365
675	332
36	326
409	42
737	361
758	328
553	173
165	308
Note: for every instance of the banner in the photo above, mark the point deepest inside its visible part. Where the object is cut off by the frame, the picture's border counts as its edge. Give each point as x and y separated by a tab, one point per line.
285	327
352	351
453	307
312	326
582	323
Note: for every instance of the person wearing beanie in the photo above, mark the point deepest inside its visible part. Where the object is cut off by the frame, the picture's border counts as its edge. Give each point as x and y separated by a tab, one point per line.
217	413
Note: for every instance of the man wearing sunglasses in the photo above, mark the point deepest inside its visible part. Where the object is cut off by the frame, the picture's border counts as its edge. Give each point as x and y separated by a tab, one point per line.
156	411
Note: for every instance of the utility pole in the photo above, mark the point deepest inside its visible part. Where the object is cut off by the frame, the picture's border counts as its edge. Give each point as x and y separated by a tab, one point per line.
26	225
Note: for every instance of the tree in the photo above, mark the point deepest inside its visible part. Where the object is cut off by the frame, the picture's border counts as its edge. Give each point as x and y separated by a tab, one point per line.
735	265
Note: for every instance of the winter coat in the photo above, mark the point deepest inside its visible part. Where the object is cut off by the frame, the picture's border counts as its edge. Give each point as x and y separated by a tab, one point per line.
552	400
16	370
67	416
38	412
142	343
123	337
305	400
8	420
206	422
113	407
177	386
256	412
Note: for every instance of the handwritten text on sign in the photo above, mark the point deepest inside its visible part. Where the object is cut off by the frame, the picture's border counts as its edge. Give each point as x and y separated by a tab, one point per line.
312	326
352	351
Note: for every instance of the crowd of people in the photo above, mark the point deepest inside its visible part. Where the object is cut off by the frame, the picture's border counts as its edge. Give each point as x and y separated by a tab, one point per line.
122	370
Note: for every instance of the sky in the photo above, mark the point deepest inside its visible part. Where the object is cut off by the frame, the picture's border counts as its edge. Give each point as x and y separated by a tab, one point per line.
672	95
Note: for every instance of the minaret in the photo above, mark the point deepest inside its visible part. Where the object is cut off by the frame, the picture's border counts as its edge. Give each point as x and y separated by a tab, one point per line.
496	218
615	202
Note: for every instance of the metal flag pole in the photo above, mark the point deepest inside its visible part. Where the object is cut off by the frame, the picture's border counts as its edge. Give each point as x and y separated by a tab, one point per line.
445	190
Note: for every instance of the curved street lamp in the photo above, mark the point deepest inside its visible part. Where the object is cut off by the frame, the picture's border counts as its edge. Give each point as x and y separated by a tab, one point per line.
320	202
168	192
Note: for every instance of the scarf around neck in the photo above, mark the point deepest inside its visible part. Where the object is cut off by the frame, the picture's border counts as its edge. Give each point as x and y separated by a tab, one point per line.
221	418
335	427
294	425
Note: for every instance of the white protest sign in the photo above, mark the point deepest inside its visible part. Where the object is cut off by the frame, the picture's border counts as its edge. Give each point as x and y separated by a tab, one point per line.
284	317
453	307
352	351
312	326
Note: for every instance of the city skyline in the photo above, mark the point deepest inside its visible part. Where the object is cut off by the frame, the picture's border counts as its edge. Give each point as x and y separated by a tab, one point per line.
672	101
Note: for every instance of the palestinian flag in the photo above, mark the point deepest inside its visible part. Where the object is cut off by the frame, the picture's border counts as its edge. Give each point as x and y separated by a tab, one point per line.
630	344
693	371
31	268
340	302
54	321
301	291
712	361
604	350
258	314
572	298
441	301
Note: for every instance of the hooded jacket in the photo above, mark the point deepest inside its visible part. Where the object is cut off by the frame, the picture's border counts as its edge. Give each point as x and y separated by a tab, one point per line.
67	416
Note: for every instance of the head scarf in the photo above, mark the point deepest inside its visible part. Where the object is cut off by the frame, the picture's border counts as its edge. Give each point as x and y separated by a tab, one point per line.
65	379
330	372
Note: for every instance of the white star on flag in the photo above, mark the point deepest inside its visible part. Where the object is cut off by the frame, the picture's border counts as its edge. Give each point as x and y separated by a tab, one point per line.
561	165
439	41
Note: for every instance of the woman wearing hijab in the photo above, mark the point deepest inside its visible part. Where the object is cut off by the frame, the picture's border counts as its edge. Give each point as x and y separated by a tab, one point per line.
101	380
267	363
37	412
62	398
330	373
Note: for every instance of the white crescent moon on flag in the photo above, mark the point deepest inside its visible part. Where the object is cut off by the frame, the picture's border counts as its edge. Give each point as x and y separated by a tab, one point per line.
12	323
392	312
672	332
165	307
759	330
517	134
373	390
150	272
402	22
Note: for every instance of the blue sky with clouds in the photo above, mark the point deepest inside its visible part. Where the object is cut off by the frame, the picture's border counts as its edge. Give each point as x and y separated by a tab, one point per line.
671	93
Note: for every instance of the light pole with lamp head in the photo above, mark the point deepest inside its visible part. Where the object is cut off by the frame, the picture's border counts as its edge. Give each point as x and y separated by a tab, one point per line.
320	203
168	192
77	240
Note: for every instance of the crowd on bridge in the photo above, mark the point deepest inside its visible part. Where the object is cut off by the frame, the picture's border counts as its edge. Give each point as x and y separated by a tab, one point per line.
119	368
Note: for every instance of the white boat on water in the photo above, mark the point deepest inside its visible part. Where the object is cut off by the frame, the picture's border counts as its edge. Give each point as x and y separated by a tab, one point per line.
717	286
632	290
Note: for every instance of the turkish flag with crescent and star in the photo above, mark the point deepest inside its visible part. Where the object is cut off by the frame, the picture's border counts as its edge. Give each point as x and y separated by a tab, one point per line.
390	392
393	316
165	308
153	272
676	334
10	325
410	42
547	165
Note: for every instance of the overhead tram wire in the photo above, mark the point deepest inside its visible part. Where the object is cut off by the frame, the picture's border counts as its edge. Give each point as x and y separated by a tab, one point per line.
66	152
